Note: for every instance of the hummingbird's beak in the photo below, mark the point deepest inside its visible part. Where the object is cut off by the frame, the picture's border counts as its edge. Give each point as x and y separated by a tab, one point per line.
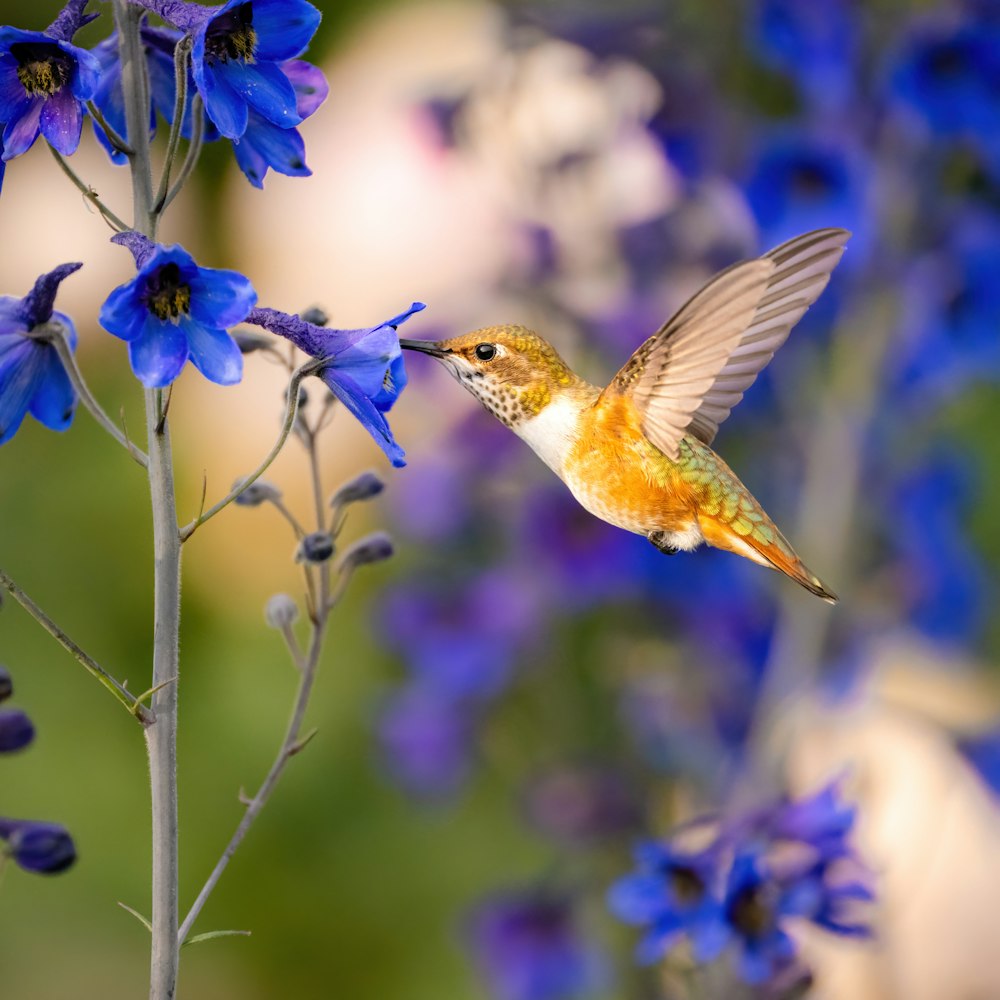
425	347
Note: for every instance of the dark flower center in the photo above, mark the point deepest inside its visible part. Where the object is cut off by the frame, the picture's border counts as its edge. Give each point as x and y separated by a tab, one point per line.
749	911
687	885
166	295
812	181
947	61
231	35
42	69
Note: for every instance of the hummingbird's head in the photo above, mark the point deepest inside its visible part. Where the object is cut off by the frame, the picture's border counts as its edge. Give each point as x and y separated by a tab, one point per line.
512	371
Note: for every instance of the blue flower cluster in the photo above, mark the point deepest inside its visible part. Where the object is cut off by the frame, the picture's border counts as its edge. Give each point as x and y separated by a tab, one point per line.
35	846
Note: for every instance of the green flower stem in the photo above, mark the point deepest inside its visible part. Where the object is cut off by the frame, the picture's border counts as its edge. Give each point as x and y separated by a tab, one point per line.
291	411
86	397
161	737
131	703
89	193
113	137
191	158
182	59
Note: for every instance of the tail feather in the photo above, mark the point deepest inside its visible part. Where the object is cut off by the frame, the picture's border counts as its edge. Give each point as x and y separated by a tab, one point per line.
775	554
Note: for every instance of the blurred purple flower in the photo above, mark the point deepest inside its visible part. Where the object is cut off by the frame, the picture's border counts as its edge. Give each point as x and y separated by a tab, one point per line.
528	946
426	741
6	684
982	752
42	848
16	730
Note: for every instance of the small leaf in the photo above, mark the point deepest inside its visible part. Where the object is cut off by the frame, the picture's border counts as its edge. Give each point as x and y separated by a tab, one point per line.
208	935
138	916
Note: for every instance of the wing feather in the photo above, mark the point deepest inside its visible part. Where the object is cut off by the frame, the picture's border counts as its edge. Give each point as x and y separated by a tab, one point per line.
688	376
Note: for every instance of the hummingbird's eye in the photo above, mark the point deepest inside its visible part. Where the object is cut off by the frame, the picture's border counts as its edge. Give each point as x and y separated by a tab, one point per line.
486	352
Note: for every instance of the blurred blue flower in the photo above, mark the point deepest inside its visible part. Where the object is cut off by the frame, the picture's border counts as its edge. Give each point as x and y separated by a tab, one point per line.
173	311
265	145
44	82
363	368
42	848
528	946
235	61
32	378
16	730
982	751
948	74
815	44
823	821
941	580
800	181
673	894
426	741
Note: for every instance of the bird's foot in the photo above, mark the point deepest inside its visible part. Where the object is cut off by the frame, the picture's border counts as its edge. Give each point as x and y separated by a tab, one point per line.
660	540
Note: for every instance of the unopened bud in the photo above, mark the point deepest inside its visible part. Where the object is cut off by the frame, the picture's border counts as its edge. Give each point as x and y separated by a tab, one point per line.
316	547
373	548
248	341
258	492
281	611
16	730
315	315
43	848
362	487
6	684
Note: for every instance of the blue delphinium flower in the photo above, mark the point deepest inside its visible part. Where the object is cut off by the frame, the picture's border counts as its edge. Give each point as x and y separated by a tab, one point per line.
173	310
363	368
32	378
528	946
16	730
265	145
674	893
44	82
42	848
235	61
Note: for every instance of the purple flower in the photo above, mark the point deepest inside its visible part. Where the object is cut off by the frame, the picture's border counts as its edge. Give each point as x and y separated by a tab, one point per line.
265	145
6	684
32	378
822	821
425	741
43	848
16	730
173	310
362	368
673	894
44	83
235	61
528	946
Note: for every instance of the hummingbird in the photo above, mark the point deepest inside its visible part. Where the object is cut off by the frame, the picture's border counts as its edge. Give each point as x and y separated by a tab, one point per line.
637	453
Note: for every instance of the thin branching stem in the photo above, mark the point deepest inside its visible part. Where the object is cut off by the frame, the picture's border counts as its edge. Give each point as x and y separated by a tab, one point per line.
68	360
191	157
131	703
291	410
182	59
108	129
89	193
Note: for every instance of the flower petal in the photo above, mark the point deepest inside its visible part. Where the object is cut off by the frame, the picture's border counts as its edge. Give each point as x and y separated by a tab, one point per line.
311	88
124	313
284	28
61	120
350	394
265	145
22	131
88	72
220	298
12	92
54	401
214	353
264	87
226	109
158	354
19	372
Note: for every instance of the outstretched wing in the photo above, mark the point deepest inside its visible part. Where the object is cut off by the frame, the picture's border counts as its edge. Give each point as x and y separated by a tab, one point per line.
688	376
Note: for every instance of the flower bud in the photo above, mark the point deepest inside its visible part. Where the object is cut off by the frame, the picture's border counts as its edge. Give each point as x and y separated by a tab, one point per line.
44	848
316	547
315	315
248	341
281	611
6	684
373	548
258	492
16	730
362	487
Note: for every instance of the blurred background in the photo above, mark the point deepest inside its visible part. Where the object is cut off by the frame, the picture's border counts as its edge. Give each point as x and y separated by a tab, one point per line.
524	691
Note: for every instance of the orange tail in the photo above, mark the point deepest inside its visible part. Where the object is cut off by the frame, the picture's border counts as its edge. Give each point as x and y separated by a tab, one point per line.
775	554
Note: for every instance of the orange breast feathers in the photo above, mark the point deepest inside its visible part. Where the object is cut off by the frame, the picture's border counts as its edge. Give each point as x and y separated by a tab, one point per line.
619	475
